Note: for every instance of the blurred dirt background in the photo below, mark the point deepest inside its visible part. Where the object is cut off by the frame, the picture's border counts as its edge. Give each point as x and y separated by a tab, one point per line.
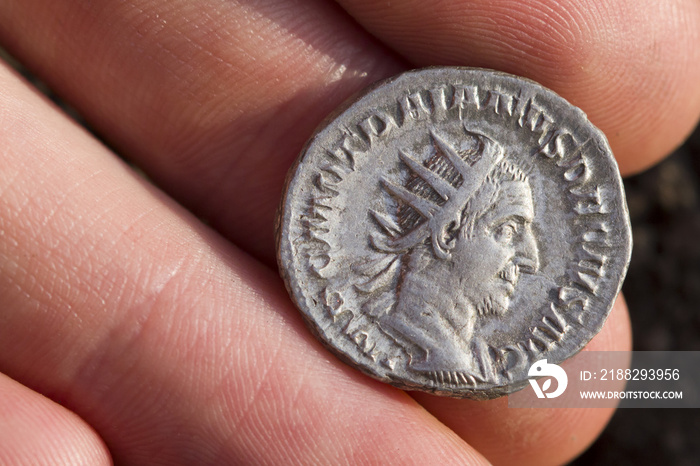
663	294
662	290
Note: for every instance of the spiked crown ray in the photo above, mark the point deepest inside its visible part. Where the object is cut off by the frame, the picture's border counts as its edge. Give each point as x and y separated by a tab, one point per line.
438	218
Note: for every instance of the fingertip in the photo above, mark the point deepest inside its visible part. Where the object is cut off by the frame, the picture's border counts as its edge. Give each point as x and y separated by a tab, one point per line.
537	436
616	334
631	65
35	430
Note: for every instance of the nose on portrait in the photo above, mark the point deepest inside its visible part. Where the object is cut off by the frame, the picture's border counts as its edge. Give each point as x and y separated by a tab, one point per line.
526	255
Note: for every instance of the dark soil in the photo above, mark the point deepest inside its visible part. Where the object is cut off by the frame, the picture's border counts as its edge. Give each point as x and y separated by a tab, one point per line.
662	291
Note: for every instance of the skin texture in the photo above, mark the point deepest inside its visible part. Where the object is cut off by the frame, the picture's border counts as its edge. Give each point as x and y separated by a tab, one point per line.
35	430
598	55
161	340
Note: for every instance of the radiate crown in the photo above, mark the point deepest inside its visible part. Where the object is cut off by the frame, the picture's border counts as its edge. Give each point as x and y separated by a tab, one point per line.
439	218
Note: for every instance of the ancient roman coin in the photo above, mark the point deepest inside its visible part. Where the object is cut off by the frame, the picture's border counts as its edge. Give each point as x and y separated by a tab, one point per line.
452	226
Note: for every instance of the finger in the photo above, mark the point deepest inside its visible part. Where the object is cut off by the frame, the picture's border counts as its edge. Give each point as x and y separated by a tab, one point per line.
213	99
633	66
174	346
162	88
242	182
537	435
35	430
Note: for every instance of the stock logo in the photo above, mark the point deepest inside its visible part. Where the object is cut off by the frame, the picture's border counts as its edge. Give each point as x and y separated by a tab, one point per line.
542	369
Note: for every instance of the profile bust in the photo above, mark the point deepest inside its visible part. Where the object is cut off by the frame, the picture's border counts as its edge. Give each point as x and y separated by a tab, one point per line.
462	231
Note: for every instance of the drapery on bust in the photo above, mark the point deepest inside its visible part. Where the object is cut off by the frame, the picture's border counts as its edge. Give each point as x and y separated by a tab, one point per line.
463	233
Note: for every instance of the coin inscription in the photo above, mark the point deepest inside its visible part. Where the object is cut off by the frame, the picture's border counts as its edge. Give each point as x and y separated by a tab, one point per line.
453	226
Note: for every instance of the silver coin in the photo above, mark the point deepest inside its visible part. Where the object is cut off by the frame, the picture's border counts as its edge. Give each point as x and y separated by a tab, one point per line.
452	226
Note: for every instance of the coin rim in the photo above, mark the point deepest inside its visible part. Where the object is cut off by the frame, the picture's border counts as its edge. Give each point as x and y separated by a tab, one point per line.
296	292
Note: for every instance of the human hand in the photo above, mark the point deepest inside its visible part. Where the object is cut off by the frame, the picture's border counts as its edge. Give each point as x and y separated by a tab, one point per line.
175	342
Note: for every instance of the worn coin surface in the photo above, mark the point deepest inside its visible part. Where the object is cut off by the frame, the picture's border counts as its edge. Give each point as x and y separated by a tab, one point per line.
452	226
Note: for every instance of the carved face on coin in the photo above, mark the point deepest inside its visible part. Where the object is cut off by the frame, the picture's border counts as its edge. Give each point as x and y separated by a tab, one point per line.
499	247
472	265
451	227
